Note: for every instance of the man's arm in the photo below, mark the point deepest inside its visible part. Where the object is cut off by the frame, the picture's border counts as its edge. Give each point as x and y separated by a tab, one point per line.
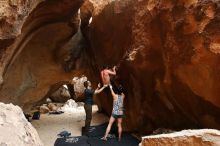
102	76
112	72
98	89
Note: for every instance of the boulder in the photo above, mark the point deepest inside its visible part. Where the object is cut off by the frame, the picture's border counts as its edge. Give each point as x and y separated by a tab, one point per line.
61	95
44	109
167	55
72	106
15	129
78	84
52	107
202	137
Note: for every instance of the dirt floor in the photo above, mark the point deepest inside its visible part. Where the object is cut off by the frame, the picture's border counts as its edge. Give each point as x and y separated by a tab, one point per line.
50	125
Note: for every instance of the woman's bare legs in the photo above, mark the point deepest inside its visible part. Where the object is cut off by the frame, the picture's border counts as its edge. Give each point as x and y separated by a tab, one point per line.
111	121
119	120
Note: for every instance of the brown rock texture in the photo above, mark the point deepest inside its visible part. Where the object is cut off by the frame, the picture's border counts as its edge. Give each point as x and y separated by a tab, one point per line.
168	59
203	137
36	60
15	129
61	95
167	53
44	109
52	107
13	15
79	88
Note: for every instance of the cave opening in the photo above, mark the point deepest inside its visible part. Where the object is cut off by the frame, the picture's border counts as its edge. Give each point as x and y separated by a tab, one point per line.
61	112
62	109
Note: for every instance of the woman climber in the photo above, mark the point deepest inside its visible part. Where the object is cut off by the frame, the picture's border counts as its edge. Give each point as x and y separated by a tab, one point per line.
117	112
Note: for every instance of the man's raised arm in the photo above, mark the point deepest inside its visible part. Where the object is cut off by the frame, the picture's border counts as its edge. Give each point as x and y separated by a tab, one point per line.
112	72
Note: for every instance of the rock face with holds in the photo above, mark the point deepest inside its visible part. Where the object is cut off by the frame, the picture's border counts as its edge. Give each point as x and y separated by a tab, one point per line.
15	129
203	137
168	55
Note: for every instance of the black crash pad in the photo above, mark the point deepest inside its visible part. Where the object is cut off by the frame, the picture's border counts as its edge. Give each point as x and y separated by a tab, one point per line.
94	136
72	141
127	140
96	131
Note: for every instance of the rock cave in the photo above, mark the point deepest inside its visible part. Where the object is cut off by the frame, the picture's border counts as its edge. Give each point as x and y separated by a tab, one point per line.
166	52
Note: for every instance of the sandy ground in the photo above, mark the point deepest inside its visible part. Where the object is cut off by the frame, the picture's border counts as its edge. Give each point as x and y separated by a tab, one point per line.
50	125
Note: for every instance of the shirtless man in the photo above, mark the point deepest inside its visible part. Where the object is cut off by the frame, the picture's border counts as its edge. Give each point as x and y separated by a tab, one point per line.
105	75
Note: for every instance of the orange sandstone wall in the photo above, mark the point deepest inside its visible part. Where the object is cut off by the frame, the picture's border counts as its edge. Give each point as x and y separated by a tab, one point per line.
169	55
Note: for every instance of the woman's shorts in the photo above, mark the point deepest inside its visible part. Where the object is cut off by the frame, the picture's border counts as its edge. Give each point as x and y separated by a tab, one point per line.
118	116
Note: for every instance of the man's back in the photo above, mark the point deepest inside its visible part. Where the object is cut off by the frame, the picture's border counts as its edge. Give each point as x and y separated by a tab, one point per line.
105	77
88	93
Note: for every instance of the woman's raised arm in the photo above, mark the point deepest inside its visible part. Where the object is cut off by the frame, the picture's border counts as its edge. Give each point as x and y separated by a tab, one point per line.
112	92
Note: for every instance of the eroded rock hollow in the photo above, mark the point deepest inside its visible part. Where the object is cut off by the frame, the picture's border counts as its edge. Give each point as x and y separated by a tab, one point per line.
39	58
167	53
